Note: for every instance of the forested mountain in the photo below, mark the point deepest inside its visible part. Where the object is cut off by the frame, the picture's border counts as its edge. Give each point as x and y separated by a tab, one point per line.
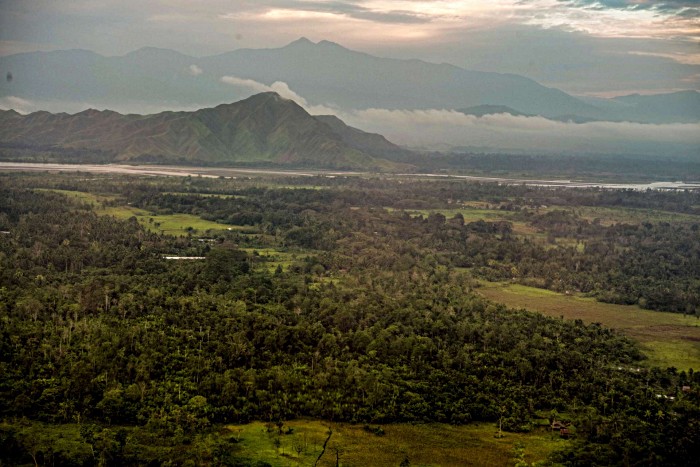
263	129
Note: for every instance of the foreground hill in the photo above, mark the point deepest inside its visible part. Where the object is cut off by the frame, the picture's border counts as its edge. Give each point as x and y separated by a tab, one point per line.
263	129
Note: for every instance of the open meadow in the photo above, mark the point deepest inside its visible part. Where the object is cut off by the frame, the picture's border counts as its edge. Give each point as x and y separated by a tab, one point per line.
667	339
421	444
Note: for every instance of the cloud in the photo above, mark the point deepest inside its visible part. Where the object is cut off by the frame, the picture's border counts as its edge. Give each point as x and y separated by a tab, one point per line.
357	11
246	83
468	33
444	129
195	70
437	129
663	5
280	88
18	104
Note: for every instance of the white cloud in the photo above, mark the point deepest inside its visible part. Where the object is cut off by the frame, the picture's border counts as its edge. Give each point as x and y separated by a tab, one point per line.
246	83
195	70
281	88
442	129
437	129
18	104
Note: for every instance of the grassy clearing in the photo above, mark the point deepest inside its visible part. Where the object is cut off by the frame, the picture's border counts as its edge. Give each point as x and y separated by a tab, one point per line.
203	195
470	214
274	258
80	196
422	445
300	443
299	187
667	339
173	224
610	216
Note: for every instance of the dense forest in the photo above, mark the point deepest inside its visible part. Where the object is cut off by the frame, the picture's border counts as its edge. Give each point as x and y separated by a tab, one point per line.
373	319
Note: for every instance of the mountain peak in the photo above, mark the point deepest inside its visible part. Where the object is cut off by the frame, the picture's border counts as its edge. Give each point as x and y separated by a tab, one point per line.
265	128
325	43
267	96
305	43
301	42
155	53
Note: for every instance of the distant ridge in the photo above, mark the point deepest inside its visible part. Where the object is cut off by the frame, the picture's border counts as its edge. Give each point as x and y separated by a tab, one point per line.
323	73
481	110
263	129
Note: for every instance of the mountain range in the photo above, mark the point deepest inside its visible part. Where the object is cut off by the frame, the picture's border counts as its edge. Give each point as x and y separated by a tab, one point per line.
263	129
323	73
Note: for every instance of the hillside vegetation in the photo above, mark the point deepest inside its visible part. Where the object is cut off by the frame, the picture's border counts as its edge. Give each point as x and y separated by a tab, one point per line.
263	129
332	307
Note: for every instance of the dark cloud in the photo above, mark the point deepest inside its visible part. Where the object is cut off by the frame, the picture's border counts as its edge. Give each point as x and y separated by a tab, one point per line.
684	8
689	13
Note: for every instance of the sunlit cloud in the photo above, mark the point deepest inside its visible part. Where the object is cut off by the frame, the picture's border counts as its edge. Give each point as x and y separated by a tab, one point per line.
460	32
430	17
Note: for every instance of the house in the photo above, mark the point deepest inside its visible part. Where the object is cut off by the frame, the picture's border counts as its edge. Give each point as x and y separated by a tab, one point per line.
562	427
557	425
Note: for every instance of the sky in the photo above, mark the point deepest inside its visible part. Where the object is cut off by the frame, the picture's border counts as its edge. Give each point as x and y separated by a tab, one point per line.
584	47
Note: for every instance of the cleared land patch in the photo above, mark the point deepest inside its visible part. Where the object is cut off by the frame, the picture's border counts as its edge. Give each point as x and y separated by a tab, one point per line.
667	339
421	445
613	215
173	224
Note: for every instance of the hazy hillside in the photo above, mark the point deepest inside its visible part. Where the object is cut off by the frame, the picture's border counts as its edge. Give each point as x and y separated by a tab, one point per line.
371	143
481	110
682	106
264	128
323	73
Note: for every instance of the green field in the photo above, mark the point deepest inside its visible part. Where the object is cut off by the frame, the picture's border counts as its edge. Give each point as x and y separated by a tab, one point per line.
173	224
667	339
203	195
609	216
470	214
300	443
423	445
476	210
273	258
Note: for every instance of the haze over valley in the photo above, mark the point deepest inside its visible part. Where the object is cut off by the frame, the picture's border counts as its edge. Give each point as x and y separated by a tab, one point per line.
414	103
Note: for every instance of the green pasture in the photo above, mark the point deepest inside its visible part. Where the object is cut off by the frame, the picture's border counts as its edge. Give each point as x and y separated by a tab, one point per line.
203	195
667	339
620	215
173	224
422	445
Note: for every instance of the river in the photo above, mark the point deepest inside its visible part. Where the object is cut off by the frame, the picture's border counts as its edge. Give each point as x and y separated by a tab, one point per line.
216	172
